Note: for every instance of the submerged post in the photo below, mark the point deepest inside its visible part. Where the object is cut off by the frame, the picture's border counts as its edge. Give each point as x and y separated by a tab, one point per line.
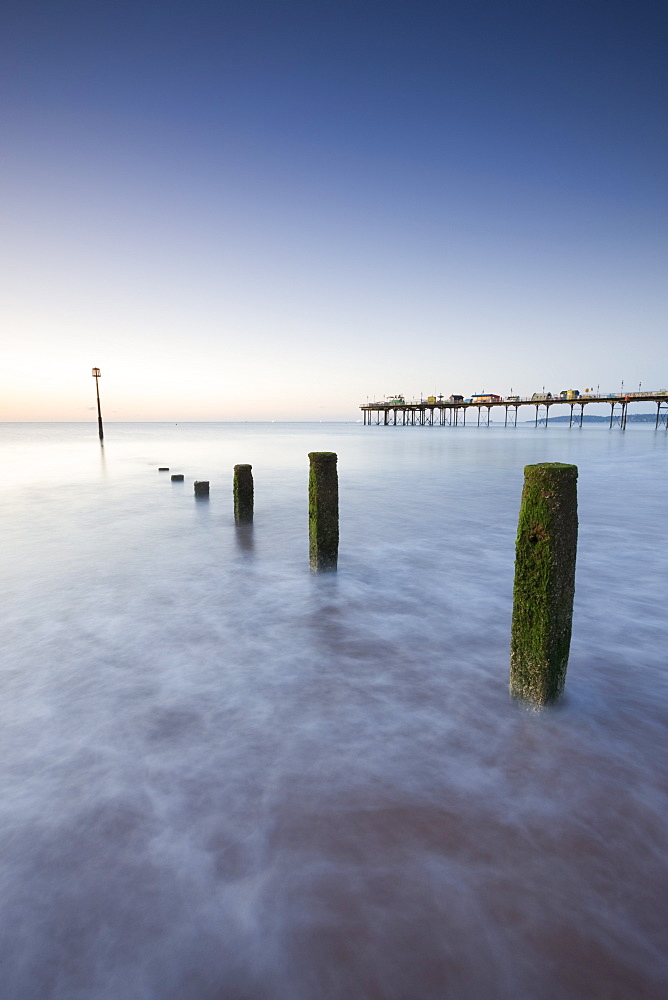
96	376
323	511
544	582
243	494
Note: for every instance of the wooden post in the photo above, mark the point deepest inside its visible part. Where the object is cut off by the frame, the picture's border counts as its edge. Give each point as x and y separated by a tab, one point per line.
323	511
201	488
243	494
544	583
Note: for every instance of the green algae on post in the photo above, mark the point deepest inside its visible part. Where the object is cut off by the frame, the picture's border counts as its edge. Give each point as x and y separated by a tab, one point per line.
243	494
544	582
323	511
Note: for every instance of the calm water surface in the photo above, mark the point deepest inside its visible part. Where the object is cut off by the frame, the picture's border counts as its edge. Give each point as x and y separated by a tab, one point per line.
225	778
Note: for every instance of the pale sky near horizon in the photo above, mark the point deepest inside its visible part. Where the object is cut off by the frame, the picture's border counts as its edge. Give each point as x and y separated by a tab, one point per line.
275	210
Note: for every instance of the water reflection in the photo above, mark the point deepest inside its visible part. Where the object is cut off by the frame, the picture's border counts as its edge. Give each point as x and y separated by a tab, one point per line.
244	537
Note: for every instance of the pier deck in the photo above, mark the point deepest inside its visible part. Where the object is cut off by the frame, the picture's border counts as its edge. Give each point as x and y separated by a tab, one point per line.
452	413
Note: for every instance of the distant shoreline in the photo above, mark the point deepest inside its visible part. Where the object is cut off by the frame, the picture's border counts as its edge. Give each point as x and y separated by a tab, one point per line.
632	418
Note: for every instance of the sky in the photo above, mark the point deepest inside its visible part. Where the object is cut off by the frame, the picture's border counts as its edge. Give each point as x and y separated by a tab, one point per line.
279	209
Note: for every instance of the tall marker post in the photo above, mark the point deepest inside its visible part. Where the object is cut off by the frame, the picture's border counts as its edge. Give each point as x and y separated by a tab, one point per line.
96	376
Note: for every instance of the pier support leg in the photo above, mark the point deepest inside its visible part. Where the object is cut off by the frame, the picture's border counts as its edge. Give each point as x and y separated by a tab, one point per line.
582	410
243	494
323	511
612	411
544	583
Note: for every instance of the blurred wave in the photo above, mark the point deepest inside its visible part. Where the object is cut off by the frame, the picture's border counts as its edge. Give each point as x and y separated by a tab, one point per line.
225	777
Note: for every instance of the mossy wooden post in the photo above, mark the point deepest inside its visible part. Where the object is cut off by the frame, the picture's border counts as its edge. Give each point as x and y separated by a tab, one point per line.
544	582
243	494
323	511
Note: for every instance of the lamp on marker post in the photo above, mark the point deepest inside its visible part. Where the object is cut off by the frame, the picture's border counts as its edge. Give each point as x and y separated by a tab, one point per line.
96	376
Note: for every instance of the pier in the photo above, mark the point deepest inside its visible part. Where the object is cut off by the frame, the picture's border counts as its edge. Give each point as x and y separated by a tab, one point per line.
454	412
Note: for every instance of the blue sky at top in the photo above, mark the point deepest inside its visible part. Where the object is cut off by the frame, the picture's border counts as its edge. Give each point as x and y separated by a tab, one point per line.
277	209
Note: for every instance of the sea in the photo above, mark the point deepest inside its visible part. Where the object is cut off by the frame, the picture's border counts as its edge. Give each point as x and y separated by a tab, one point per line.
225	777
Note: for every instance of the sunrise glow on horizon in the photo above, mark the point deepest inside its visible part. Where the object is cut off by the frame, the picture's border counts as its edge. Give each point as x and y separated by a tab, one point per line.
276	210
